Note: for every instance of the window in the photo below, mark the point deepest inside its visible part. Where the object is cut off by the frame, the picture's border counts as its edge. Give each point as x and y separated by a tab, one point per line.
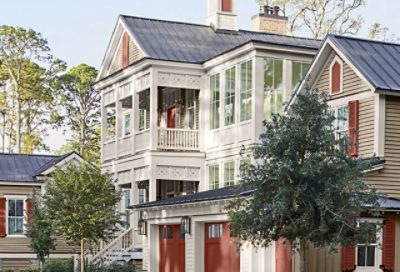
215	231
369	255
213	178
144	110
127	198
299	70
246	86
126	106
142	196
127	124
273	87
191	109
15	216
229	173
336	71
230	76
166	232
226	5
341	125
110	122
214	101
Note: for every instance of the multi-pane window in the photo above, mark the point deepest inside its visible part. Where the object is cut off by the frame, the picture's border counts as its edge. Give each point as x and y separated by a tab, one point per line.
369	255
15	216
214	101
213	177
191	109
166	232
229	105
229	173
299	70
246	89
341	125
215	231
126	106
142	195
110	122
144	110
273	87
127	124
127	200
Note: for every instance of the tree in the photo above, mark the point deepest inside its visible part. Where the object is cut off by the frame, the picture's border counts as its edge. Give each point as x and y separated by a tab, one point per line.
40	231
81	203
379	32
81	106
320	17
307	189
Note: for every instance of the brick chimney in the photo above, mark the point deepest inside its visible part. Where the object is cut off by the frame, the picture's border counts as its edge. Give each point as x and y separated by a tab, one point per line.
269	20
222	15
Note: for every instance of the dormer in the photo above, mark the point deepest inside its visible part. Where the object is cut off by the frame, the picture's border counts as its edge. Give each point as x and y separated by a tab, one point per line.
336	76
222	15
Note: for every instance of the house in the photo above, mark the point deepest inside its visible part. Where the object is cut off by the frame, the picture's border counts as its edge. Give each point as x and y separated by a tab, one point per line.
20	176
179	100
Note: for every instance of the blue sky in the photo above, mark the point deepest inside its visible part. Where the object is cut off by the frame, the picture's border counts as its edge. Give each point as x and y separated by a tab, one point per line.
78	31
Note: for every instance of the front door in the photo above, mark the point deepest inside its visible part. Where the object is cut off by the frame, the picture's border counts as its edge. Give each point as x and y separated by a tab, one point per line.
171	117
172	249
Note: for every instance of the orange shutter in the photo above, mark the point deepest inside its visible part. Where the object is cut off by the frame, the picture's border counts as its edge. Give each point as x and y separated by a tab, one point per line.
2	217
226	5
125	50
348	258
353	128
336	80
29	210
283	256
389	244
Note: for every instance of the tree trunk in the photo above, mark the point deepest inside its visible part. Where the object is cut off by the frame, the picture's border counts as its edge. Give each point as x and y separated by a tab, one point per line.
82	256
18	132
302	256
82	139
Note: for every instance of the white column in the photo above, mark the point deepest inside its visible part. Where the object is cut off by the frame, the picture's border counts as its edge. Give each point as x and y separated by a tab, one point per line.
258	96
103	127
134	112
379	125
152	239
198	242
153	109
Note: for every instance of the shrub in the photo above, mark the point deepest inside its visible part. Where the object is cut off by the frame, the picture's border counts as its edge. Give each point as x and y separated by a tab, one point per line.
59	265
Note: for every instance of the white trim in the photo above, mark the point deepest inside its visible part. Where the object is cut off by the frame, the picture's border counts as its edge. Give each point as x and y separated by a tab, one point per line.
379	124
72	156
335	60
34	256
17	197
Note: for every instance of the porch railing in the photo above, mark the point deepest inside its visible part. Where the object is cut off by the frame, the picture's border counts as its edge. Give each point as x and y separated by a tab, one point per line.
178	139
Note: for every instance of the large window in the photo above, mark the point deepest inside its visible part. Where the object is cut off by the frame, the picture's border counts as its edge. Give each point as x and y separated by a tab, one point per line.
144	110
299	70
273	87
229	105
110	122
15	216
214	101
246	89
213	176
341	125
229	173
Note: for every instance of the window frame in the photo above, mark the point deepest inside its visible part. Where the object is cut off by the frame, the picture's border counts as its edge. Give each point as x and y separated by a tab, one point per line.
215	103
340	61
304	70
274	90
124	116
231	167
108	137
378	249
245	94
336	128
188	108
23	199
231	99
215	184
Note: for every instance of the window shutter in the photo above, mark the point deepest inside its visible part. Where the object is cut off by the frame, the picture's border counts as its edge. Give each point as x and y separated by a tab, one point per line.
125	50
336	78
283	256
29	210
3	217
388	245
348	258
352	149
226	5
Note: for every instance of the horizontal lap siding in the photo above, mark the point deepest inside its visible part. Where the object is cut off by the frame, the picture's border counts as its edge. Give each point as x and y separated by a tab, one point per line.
18	189
320	259
388	179
21	245
18	264
366	127
134	55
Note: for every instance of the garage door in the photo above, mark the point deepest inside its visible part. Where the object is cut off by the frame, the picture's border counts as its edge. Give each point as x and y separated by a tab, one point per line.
221	253
172	249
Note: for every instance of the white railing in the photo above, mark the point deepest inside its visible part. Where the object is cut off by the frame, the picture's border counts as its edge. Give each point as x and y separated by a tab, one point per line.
113	250
178	139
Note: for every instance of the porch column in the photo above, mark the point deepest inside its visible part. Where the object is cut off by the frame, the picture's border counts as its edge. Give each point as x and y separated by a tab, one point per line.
153	109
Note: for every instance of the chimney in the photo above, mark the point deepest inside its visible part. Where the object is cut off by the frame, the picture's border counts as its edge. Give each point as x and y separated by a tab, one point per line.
269	20
222	15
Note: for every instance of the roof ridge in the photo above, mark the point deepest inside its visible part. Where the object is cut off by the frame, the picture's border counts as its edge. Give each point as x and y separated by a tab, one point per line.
279	35
30	155
363	39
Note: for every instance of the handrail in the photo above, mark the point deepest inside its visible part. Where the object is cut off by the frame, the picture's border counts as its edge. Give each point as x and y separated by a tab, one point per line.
178	139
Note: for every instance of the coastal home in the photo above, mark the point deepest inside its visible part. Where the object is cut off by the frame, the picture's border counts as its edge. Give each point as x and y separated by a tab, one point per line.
179	100
20	176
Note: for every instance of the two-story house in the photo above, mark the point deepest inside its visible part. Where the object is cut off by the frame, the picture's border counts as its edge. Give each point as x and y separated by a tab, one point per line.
20	176
179	100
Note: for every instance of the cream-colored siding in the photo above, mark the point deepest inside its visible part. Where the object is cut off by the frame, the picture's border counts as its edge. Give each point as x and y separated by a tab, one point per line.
18	189
18	264
134	55
366	127
387	180
320	259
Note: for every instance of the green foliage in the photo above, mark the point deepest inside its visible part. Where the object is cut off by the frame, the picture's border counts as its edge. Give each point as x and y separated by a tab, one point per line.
59	265
306	189
112	268
40	230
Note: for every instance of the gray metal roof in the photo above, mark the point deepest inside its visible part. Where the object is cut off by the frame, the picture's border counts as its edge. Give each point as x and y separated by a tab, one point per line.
378	62
192	43
25	168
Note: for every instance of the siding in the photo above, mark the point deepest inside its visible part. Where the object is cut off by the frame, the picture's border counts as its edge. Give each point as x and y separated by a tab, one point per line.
18	264
17	189
320	259
134	55
388	179
366	127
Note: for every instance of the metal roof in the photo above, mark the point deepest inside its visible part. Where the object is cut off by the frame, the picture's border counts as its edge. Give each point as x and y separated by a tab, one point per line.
378	62
193	43
24	167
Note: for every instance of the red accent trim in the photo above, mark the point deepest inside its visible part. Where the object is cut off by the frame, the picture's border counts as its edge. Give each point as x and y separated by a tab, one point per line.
125	50
226	6
283	257
336	78
353	128
29	210
3	217
172	250
348	258
389	244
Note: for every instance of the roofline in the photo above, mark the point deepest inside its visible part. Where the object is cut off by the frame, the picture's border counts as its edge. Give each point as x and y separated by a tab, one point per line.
362	39
30	155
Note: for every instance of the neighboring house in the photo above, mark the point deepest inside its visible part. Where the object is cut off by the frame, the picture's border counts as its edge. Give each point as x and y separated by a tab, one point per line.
179	100
20	176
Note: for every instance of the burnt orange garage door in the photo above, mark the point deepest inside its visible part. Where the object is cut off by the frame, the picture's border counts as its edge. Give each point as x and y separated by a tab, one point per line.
221	254
172	249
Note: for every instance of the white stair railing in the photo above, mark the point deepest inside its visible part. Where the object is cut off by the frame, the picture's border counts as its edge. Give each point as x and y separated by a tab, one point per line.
178	139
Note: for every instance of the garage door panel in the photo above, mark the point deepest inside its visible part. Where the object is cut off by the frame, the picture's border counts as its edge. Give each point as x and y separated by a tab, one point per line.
172	249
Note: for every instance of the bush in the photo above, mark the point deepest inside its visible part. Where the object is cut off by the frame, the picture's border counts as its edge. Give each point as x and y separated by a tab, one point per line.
59	265
112	268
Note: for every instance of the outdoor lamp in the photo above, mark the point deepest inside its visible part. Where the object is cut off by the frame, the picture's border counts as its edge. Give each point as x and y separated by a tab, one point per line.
185	225
142	227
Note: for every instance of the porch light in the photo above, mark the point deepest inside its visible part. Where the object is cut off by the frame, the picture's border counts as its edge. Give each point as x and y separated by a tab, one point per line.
185	225
142	227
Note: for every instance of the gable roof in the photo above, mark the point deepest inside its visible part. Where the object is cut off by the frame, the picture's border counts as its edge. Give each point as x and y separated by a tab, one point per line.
378	62
194	43
25	167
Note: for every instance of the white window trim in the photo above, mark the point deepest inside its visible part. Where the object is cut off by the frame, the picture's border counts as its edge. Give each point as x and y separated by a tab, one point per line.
124	114
187	109
218	165
251	90
211	102
234	96
225	173
336	114
340	61
16	197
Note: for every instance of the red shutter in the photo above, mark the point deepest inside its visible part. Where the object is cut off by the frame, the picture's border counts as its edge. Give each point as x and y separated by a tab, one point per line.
348	258
389	244
283	256
353	128
2	217
336	80
226	5
125	50
29	210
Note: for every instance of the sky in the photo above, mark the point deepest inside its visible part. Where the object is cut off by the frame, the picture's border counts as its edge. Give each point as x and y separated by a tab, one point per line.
78	31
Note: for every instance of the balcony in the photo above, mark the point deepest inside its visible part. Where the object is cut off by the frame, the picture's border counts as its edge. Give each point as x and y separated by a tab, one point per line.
178	139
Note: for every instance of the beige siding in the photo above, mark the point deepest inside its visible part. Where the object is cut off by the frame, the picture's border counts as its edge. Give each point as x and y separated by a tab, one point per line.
320	259
18	264
17	189
388	179
134	55
366	127
21	245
